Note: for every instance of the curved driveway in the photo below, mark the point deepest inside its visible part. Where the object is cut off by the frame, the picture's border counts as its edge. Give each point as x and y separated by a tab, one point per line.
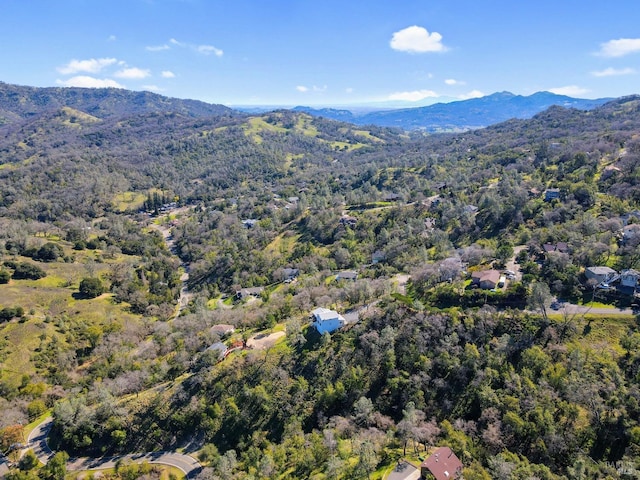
37	441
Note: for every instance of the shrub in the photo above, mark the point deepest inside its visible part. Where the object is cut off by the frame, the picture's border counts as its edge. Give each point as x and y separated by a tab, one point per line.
28	271
91	287
5	276
49	252
8	313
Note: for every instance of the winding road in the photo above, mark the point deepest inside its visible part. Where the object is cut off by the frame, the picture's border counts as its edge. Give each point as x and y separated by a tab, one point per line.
37	441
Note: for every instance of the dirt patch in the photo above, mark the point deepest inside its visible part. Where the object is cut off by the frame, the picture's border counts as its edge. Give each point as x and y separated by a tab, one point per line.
262	341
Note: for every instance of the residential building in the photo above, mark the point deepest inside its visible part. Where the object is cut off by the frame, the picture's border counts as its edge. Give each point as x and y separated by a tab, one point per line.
551	194
378	256
629	278
223	329
220	348
600	274
249	223
347	220
347	275
290	274
249	292
486	279
561	247
325	320
443	464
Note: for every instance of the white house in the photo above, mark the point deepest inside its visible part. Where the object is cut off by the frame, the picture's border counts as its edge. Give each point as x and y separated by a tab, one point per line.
326	320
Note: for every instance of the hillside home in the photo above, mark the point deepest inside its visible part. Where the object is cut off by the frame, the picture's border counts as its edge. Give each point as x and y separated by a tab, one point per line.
561	247
347	220
599	274
347	275
249	292
443	464
551	194
629	278
249	223
391	197
290	274
325	320
378	256
222	329
486	279
220	348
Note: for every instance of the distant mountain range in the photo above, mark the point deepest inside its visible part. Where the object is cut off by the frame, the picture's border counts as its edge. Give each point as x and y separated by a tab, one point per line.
461	115
19	102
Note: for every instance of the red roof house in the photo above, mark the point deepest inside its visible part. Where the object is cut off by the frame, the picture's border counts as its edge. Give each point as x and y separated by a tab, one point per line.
442	465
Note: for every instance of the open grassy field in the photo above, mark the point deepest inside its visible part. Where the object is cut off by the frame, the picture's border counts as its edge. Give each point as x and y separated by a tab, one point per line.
128	200
48	300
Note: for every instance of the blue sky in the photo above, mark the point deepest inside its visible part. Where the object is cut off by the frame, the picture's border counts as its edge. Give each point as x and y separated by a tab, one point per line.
324	52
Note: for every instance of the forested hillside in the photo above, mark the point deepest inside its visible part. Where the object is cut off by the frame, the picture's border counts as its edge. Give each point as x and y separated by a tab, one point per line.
159	265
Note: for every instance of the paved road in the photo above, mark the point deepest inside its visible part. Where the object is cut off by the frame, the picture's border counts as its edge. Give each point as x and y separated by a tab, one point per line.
37	441
188	465
571	309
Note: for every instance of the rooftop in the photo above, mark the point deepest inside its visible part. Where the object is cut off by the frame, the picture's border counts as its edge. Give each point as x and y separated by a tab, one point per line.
443	464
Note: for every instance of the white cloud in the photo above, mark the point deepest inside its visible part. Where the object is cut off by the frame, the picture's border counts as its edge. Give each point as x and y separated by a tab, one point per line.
417	40
613	72
112	38
152	88
320	89
158	48
132	73
471	94
302	88
93	65
453	81
349	90
168	74
619	47
414	96
208	50
203	49
569	90
89	82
